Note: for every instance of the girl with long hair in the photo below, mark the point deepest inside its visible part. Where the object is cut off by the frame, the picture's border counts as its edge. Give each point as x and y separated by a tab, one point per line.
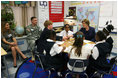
78	51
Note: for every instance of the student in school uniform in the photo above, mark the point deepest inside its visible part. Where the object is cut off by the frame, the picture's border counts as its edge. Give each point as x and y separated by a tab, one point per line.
78	51
44	35
66	31
99	52
107	30
54	56
88	31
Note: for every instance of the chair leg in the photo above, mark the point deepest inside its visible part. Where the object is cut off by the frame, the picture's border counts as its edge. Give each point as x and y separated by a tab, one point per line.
40	62
93	74
101	76
34	69
6	67
33	58
49	73
112	74
66	75
19	57
86	75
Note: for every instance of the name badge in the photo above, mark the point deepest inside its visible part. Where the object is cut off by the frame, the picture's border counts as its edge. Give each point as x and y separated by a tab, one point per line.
32	29
9	35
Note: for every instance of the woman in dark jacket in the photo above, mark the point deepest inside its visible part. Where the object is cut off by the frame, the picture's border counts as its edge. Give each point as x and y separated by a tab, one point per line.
88	31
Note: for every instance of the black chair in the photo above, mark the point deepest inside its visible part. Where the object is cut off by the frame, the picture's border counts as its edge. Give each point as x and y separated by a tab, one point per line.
42	59
79	64
113	63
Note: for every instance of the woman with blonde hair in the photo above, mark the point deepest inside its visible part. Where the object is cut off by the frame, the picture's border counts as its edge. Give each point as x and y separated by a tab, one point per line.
88	31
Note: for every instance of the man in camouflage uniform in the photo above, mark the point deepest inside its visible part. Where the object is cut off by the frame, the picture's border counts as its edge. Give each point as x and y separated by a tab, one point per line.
33	33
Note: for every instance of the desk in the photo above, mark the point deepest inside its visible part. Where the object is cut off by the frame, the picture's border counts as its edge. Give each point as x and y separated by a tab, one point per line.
68	43
3	53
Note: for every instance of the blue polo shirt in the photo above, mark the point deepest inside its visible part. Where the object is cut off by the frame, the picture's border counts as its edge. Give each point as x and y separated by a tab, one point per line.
90	34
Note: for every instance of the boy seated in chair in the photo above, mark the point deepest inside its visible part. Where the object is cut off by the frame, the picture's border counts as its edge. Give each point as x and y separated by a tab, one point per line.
98	58
107	30
54	56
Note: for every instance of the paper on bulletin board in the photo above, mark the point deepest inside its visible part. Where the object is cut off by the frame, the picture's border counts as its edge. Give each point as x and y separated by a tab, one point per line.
106	10
57	24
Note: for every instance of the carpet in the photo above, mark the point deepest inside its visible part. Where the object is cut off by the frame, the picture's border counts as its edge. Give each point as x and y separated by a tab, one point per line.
27	68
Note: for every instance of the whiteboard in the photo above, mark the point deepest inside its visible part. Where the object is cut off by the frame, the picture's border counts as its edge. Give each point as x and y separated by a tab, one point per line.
104	16
106	10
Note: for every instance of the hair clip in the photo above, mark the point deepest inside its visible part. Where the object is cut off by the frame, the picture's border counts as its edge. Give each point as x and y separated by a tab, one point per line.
79	36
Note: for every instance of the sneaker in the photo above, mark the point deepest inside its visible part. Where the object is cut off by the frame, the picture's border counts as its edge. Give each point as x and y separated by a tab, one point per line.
59	74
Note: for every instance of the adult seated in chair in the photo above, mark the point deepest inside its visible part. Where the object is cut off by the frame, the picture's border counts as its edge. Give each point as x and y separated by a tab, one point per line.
54	56
33	33
44	35
107	30
78	51
99	52
66	31
9	41
88	31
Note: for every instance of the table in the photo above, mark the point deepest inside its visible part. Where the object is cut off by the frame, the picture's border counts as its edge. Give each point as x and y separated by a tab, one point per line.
3	53
70	42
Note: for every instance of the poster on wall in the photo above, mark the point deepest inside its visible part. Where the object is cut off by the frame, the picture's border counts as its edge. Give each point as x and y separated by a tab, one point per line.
72	11
91	13
43	4
56	11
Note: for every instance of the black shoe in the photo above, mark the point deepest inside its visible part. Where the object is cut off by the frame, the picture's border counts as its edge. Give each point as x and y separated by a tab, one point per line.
15	66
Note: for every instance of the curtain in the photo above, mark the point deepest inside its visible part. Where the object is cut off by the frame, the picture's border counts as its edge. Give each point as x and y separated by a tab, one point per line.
22	12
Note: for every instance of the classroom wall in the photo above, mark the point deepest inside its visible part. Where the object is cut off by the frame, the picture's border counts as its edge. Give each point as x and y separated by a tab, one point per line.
43	14
107	11
20	13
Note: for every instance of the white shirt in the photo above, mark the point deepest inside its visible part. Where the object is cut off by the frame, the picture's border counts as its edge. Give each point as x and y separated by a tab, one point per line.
64	33
55	48
95	51
108	36
86	50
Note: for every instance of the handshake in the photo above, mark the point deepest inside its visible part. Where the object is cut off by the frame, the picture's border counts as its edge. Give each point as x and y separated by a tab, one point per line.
67	37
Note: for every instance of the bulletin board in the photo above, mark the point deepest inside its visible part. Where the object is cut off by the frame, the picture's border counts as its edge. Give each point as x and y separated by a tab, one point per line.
56	12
